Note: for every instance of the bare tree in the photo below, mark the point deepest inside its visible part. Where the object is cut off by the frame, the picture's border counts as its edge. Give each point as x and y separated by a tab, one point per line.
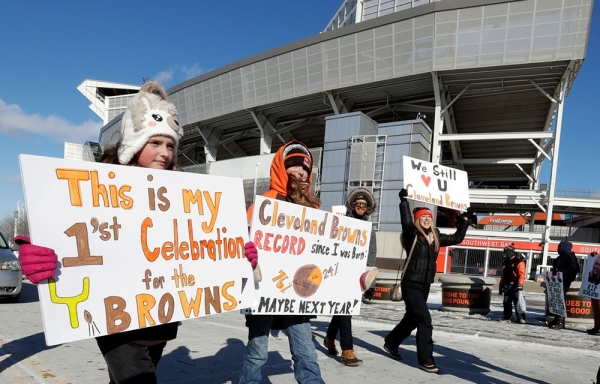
7	227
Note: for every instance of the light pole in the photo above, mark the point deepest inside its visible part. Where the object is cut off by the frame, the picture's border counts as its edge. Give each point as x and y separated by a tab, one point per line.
17	219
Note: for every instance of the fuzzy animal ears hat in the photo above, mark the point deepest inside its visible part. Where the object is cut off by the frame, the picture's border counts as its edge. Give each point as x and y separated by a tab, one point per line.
148	114
361	194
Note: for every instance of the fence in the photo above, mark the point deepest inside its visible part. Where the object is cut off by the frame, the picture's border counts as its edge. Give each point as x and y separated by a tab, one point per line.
488	262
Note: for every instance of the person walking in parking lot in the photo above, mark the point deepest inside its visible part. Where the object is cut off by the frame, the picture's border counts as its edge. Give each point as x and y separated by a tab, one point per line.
511	283
566	262
417	279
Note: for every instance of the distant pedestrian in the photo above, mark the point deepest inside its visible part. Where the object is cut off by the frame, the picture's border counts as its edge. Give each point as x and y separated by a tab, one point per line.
511	283
566	262
417	279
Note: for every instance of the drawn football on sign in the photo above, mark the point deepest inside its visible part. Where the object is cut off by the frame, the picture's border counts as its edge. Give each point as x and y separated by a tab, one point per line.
307	280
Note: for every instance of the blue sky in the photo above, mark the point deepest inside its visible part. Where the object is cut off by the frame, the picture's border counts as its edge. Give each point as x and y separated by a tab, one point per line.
49	48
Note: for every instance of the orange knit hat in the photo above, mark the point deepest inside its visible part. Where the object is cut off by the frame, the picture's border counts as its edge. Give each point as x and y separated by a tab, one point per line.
420	211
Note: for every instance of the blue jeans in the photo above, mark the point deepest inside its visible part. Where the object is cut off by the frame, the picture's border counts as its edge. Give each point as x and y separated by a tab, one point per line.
306	367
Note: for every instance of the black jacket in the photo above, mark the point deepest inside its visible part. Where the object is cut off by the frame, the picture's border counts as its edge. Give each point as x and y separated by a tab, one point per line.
566	262
421	267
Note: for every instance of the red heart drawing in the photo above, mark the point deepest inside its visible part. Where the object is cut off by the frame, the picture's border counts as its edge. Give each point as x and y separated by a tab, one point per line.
426	180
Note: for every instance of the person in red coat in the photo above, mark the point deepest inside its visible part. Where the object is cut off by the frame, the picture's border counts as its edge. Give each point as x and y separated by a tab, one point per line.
511	282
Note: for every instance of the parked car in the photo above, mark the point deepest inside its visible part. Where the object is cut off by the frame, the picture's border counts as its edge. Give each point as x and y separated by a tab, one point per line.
11	276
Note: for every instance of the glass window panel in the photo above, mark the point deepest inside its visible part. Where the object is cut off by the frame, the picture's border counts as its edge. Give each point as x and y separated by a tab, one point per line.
423	55
494	23
384	30
312	69
546	29
403	48
470	13
520	20
315	59
446	16
405	25
547	16
545	42
495	10
384	52
468	38
298	63
518	45
469	26
549	4
467	50
365	46
384	41
300	72
519	32
446	52
423	21
445	40
348	60
493	35
521	7
492	48
364	36
444	28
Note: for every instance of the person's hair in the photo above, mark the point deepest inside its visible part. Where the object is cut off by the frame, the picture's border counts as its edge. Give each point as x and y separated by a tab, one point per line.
110	155
422	235
296	196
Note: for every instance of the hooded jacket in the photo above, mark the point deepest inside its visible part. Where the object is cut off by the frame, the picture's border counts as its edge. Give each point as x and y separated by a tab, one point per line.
566	262
278	190
279	178
422	265
363	193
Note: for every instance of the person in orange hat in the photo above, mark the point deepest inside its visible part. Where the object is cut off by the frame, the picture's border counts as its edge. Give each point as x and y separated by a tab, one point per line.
291	176
511	282
416	281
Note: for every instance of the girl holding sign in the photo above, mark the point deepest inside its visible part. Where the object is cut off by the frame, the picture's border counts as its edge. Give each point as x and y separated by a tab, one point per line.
416	281
291	175
149	138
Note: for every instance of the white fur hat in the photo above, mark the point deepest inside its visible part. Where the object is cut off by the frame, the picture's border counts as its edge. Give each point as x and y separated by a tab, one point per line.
148	114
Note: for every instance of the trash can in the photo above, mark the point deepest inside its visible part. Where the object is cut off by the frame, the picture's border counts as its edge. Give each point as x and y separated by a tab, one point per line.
466	293
579	308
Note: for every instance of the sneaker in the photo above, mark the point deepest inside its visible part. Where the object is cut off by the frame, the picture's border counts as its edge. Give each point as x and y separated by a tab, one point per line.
558	326
393	353
349	358
593	331
522	321
505	320
330	345
430	367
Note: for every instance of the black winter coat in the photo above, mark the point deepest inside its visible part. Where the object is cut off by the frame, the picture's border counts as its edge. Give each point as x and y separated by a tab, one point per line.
421	267
568	265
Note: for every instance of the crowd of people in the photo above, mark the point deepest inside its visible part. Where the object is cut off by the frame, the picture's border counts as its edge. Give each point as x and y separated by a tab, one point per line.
133	357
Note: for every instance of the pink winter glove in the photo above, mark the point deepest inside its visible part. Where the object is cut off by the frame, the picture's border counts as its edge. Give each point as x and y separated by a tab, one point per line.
252	254
38	263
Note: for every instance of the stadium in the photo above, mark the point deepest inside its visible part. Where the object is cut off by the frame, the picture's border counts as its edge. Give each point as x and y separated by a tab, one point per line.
476	85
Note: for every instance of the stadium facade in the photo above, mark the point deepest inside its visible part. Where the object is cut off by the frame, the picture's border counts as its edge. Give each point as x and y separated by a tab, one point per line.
478	85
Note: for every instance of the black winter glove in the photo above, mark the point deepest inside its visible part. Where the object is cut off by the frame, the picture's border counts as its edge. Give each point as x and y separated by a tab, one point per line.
403	194
500	290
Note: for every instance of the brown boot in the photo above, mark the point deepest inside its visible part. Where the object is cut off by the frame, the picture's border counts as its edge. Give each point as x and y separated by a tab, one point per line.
350	359
330	345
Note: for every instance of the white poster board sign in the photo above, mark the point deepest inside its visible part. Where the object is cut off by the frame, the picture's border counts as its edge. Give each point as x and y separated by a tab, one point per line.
436	184
590	282
338	210
554	290
311	260
137	247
